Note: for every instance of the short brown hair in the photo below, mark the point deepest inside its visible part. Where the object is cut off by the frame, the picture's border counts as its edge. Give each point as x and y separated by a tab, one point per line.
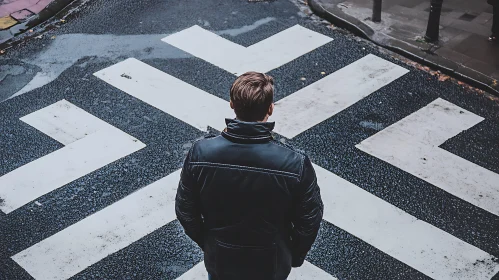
252	94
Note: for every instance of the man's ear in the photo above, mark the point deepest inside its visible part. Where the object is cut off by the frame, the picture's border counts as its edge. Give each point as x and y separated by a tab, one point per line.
231	105
271	109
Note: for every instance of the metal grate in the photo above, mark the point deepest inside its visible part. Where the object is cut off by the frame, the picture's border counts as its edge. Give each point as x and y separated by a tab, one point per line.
467	17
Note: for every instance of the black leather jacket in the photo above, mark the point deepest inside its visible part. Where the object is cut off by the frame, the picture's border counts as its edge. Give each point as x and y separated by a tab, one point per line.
251	203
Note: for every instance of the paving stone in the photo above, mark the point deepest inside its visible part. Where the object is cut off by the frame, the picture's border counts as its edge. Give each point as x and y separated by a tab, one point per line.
454	43
453	14
422	6
453	55
22	15
449	34
15	6
483	18
464	27
447	20
481	66
411	13
479	48
7	22
472	27
467	5
39	6
3	2
411	3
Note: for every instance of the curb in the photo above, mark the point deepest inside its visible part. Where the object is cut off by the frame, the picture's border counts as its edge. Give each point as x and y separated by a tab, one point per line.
442	64
8	35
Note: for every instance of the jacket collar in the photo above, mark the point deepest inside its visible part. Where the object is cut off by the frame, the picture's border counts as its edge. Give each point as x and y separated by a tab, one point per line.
248	132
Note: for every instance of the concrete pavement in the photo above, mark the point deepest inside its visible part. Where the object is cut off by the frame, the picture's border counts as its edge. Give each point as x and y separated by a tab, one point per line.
463	49
17	11
18	16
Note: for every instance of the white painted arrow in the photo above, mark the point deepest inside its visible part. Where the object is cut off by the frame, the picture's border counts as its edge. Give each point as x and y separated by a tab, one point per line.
115	227
83	244
371	219
167	93
416	243
293	114
395	232
412	145
334	93
90	144
263	56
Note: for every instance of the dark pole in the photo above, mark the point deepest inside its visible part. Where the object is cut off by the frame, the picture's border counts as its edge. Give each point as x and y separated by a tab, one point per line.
377	10
433	28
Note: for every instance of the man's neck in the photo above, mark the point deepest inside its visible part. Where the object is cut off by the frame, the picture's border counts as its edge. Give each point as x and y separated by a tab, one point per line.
262	121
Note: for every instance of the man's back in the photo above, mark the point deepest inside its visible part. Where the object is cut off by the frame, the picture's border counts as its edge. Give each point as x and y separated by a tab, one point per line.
251	203
245	178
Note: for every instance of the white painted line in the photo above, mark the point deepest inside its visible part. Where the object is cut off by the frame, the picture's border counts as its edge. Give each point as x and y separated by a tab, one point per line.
412	145
414	242
90	144
263	56
393	231
380	224
65	122
323	99
293	114
83	244
167	93
307	271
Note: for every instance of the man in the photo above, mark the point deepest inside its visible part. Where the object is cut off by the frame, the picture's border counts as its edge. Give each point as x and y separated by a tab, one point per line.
251	203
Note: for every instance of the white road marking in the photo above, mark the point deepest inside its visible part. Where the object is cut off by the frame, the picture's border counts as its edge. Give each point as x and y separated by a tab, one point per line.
90	144
414	242
167	93
263	56
307	271
384	226
325	98
293	114
420	245
412	145
380	224
83	244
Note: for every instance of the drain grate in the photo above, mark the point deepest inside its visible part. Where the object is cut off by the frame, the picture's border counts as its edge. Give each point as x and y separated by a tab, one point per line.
467	17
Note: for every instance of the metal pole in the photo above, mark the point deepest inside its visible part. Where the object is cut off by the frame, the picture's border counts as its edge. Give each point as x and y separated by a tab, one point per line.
433	29
376	11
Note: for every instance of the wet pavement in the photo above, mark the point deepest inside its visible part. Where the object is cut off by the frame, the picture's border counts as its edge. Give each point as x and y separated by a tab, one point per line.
60	65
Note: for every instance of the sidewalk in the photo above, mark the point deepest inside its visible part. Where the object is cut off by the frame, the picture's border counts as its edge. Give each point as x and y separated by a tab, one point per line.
17	16
463	50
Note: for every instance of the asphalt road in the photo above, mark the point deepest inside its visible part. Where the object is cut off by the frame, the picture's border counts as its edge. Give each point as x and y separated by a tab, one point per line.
397	205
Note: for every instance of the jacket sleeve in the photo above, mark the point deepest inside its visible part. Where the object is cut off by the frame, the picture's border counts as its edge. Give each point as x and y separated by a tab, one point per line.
187	203
307	213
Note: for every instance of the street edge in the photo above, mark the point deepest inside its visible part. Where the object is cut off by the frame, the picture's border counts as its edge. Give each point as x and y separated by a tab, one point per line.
47	13
444	65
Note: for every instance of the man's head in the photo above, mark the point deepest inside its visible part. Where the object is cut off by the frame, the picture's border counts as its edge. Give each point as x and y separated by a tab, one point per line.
252	97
